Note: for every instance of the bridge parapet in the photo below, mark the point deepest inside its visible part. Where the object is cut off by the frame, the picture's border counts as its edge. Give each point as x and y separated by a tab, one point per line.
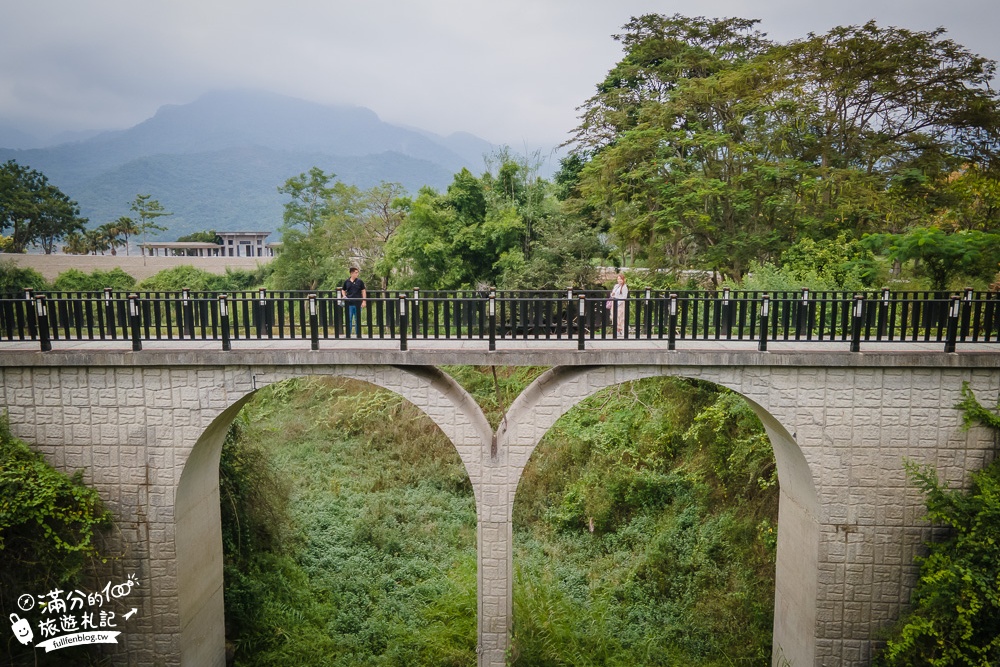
580	317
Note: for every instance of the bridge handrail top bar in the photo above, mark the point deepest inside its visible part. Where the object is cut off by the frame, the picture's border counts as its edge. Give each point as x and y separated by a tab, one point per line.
681	358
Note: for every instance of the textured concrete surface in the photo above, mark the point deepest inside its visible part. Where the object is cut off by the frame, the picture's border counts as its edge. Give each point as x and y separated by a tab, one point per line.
147	429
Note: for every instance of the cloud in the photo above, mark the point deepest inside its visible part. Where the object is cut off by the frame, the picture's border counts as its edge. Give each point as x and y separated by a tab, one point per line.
512	72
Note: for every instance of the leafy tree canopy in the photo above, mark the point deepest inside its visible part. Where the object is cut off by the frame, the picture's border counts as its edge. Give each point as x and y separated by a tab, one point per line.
208	236
940	255
36	212
709	146
15	279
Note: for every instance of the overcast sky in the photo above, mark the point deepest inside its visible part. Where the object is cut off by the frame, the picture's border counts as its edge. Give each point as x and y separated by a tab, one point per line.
509	71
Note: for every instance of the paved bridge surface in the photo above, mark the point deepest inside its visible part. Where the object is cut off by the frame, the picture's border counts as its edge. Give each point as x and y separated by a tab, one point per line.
147	428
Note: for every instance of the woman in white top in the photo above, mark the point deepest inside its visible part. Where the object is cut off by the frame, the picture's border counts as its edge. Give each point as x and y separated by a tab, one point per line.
618	295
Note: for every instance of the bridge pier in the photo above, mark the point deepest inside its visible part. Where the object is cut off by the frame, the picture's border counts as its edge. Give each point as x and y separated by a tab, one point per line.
147	432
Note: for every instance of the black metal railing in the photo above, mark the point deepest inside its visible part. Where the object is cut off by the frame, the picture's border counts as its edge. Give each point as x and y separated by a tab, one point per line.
498	316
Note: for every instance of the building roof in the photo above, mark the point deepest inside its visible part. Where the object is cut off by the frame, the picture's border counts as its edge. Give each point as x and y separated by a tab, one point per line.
178	244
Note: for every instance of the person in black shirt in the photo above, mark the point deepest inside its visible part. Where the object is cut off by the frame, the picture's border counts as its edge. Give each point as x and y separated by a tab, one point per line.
354	294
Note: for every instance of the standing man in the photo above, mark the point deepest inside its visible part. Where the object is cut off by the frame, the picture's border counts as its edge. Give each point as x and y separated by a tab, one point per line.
354	294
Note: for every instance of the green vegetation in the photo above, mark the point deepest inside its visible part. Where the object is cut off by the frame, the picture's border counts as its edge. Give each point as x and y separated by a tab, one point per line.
645	521
644	529
177	278
16	279
95	281
645	532
36	212
955	618
49	529
710	146
372	559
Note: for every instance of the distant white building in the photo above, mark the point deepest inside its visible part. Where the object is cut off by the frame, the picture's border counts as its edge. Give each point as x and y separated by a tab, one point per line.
243	244
232	244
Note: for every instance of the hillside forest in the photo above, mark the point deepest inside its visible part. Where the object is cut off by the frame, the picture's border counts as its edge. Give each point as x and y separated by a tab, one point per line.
645	524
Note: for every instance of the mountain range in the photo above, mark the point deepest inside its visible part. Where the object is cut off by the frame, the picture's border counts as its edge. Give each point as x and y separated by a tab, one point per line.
217	162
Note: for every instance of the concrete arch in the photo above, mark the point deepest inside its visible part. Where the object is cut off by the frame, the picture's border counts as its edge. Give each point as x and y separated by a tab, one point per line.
553	393
197	525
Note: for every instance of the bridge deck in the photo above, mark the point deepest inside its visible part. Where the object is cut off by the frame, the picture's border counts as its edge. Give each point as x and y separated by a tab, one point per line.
508	353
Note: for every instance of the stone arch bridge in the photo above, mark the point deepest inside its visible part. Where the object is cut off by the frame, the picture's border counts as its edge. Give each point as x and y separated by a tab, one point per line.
147	428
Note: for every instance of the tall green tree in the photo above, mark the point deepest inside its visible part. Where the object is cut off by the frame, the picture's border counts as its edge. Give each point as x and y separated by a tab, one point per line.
316	249
710	146
360	232
148	211
940	255
456	240
36	212
309	199
125	228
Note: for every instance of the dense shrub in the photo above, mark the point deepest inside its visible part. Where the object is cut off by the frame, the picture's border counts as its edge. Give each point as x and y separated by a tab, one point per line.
75	280
373	562
177	278
14	279
49	526
955	619
644	532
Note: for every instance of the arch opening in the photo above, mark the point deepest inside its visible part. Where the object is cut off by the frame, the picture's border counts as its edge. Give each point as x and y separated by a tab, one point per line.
413	533
637	486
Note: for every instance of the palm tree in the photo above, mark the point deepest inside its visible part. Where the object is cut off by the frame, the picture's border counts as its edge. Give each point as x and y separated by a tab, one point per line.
97	241
76	244
126	227
111	233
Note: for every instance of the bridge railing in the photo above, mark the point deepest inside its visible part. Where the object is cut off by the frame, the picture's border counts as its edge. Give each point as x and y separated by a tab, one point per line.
498	316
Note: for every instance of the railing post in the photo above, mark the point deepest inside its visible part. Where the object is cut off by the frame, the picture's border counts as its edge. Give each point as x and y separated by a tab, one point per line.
953	312
314	322
883	314
966	313
42	311
415	312
493	318
727	320
802	321
224	322
109	314
262	314
672	323
857	313
581	313
765	314
133	316
187	312
402	321
30	312
569	308
649	317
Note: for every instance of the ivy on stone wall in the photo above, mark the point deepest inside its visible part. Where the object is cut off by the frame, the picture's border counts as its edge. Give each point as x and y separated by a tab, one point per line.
49	522
955	618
